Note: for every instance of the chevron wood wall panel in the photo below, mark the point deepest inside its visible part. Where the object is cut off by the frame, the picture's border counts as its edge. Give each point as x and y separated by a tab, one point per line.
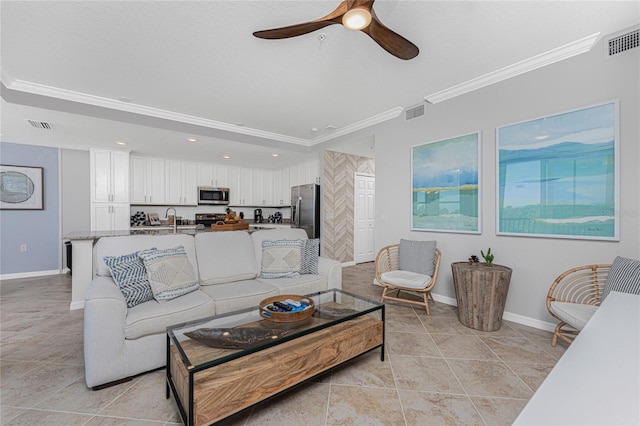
338	200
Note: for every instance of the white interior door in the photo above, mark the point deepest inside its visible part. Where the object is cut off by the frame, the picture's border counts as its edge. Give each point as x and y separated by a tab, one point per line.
364	214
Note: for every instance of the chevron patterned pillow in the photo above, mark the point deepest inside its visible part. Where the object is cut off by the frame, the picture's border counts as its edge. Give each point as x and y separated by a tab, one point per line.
170	273
310	253
129	273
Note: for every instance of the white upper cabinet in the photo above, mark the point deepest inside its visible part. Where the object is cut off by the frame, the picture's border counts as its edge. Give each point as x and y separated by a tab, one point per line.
262	188
304	173
147	180
221	176
180	182
205	175
281	187
213	175
109	175
240	187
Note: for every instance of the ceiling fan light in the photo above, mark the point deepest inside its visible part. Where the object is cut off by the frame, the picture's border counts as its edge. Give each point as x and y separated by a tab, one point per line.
356	18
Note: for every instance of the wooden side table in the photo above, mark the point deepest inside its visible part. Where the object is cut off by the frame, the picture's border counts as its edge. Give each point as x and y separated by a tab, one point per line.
481	292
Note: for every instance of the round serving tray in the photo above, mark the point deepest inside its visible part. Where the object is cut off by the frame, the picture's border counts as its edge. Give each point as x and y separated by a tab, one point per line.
287	316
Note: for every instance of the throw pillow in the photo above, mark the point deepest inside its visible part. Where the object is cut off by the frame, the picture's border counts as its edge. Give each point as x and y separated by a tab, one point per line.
417	256
310	253
624	276
170	273
281	258
129	273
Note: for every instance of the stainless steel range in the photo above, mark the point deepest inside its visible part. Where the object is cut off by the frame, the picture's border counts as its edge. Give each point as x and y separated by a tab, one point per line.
208	219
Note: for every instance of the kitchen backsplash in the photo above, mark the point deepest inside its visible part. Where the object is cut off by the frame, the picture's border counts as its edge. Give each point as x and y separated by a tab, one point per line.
188	212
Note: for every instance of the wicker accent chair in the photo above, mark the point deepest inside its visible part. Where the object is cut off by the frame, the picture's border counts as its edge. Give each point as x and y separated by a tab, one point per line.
387	260
574	297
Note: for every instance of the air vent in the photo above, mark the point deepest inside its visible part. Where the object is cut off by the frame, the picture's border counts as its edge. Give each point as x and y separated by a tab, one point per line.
40	124
622	43
414	112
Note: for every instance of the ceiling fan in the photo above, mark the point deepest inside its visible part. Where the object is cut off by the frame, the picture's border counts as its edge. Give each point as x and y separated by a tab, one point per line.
357	15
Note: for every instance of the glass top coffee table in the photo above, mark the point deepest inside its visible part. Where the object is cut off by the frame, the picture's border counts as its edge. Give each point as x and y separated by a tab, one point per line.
220	365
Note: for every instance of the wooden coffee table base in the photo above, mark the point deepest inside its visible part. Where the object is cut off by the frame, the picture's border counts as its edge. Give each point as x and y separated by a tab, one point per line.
225	389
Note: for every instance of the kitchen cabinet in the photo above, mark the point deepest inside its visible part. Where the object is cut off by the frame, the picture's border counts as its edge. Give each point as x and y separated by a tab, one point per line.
110	216
109	176
213	175
240	186
262	188
281	187
147	180
181	182
304	173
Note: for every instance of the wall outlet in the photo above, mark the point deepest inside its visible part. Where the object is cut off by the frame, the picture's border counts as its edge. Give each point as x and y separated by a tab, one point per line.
23	248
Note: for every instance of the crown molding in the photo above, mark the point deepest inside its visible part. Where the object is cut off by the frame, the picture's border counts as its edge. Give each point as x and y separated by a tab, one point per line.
362	124
69	95
542	60
99	101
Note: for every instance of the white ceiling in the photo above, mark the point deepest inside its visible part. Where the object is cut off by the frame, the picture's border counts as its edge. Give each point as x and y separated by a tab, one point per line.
194	69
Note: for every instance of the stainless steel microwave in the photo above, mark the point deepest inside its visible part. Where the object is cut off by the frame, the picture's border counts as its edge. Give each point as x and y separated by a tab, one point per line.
208	195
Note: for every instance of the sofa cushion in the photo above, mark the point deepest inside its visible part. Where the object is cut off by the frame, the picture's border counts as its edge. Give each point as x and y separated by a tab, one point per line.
417	256
310	254
129	273
574	314
273	235
303	284
153	318
624	276
281	258
117	246
239	294
170	273
406	279
225	257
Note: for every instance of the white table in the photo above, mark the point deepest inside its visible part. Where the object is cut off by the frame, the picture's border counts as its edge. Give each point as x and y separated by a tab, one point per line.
597	380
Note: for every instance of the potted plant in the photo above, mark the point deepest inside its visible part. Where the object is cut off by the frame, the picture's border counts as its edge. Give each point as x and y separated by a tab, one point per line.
488	258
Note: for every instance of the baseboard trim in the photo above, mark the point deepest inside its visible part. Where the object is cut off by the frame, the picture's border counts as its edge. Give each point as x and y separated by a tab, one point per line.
509	316
76	305
345	264
32	274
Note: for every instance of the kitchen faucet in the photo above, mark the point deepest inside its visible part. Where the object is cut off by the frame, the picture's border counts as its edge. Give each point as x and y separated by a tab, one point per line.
175	222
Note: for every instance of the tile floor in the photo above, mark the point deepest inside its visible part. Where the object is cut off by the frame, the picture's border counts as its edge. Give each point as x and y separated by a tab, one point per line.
436	370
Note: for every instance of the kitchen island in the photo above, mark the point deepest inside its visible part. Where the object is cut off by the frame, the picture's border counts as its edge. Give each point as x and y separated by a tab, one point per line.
82	250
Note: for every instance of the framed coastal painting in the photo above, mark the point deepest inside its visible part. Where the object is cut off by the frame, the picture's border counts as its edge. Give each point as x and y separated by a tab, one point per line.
21	188
558	176
445	185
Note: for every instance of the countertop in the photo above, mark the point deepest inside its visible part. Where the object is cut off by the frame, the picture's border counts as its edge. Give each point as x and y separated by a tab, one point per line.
160	230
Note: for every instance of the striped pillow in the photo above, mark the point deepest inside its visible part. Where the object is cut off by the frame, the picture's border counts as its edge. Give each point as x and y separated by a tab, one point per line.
170	273
624	277
129	273
310	253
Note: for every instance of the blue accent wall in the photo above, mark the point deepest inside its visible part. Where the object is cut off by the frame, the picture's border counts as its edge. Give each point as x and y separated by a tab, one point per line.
38	229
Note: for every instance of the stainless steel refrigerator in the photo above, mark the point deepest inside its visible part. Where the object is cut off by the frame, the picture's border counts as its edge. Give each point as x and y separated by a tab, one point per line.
305	208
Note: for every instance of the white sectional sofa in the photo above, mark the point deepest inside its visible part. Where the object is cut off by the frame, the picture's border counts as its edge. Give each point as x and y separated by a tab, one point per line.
121	342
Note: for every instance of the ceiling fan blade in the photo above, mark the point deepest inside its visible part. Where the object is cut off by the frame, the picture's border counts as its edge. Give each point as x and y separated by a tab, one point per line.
390	41
334	17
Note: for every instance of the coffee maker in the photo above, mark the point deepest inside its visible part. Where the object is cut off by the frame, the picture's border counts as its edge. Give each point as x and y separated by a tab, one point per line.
257	216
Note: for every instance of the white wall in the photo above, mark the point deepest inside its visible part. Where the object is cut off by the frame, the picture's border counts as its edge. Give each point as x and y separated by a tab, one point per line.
75	198
577	82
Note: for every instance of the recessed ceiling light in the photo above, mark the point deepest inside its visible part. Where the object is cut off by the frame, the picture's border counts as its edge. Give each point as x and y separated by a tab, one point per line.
120	143
314	129
226	157
275	155
192	140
